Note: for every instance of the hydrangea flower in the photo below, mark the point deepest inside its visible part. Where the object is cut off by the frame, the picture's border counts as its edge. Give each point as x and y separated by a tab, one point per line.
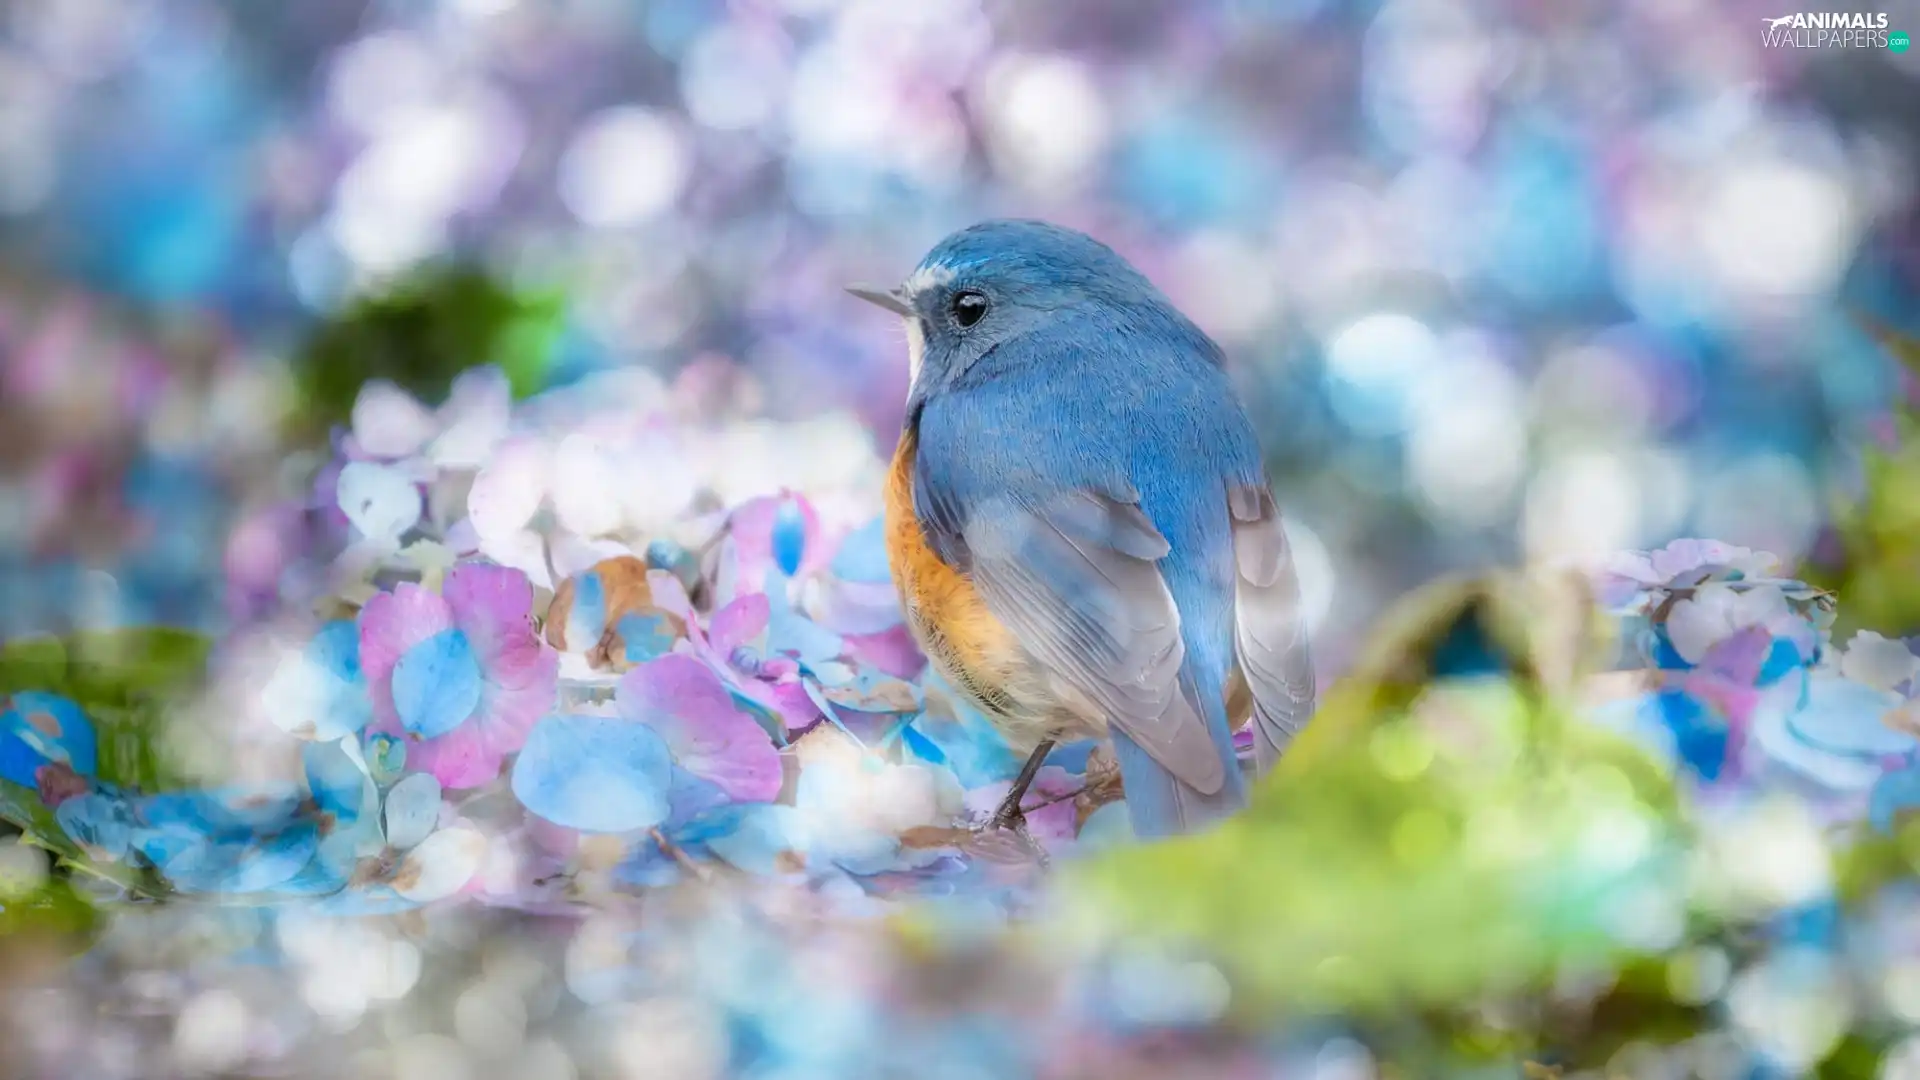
390	424
733	644
855	805
382	850
1631	580
553	509
37	730
460	674
595	774
607	615
320	692
708	735
229	841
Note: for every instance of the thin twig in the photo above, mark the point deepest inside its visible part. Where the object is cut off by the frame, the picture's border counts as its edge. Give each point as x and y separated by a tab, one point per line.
673	851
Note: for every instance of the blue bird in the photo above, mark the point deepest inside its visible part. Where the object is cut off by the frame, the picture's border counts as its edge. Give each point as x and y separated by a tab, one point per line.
1079	522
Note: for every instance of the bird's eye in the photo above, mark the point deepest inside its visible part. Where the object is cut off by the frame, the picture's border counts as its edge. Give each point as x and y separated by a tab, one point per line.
968	308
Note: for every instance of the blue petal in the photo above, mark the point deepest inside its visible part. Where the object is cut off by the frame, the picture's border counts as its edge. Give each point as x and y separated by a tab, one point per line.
330	869
676	560
789	536
320	693
647	636
1665	656
335	649
339	786
1844	717
436	685
792	634
1783	658
412	810
689	796
587	621
53	728
19	761
239	812
922	747
760	834
595	774
99	822
973	748
209	865
863	555
1700	737
1894	793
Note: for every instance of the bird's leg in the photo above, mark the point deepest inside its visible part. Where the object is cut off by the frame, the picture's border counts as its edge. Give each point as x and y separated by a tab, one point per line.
1008	816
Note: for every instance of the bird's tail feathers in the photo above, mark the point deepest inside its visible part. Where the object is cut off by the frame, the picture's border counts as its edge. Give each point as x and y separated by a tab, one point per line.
1158	803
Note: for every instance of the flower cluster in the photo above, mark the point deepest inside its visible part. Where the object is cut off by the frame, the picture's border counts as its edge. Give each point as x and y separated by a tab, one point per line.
1744	684
531	682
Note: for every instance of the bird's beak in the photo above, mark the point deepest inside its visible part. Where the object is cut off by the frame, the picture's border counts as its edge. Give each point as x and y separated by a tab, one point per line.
891	299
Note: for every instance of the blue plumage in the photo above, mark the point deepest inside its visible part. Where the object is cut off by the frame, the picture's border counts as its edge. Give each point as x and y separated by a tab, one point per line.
1081	460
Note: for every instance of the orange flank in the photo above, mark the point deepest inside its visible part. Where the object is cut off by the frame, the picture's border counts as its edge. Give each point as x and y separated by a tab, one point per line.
971	647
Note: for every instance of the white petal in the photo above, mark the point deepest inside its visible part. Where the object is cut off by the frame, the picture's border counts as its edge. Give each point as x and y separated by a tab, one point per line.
572	555
1695	625
508	491
441	865
388	422
474	420
1757	606
587	478
413	809
523	551
661	486
380	501
1877	661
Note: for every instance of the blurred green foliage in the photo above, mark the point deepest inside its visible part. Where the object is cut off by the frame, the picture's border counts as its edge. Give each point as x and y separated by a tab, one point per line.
125	681
1445	833
42	919
420	334
1878	569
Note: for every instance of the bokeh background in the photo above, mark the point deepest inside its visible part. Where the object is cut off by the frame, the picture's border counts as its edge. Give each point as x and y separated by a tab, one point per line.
1500	278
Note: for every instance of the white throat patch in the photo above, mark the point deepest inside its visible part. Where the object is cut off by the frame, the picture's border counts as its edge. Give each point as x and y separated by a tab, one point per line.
916	351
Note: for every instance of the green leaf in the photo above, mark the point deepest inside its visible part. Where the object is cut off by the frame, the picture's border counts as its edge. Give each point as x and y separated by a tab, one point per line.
51	918
1878	567
421	334
126	681
1444	840
24	809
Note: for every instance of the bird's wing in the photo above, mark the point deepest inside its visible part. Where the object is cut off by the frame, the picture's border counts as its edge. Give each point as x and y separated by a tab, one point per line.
1074	576
1270	631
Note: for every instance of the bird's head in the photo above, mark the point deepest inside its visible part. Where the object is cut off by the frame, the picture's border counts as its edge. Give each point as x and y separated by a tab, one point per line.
993	284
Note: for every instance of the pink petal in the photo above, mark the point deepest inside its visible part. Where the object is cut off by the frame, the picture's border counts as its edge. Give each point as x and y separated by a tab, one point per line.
669	595
1740	657
668	684
738	623
892	651
790	701
710	737
459	759
393	622
507	713
493	605
749	546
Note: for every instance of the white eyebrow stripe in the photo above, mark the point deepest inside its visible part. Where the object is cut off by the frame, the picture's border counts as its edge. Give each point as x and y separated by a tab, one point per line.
927	277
